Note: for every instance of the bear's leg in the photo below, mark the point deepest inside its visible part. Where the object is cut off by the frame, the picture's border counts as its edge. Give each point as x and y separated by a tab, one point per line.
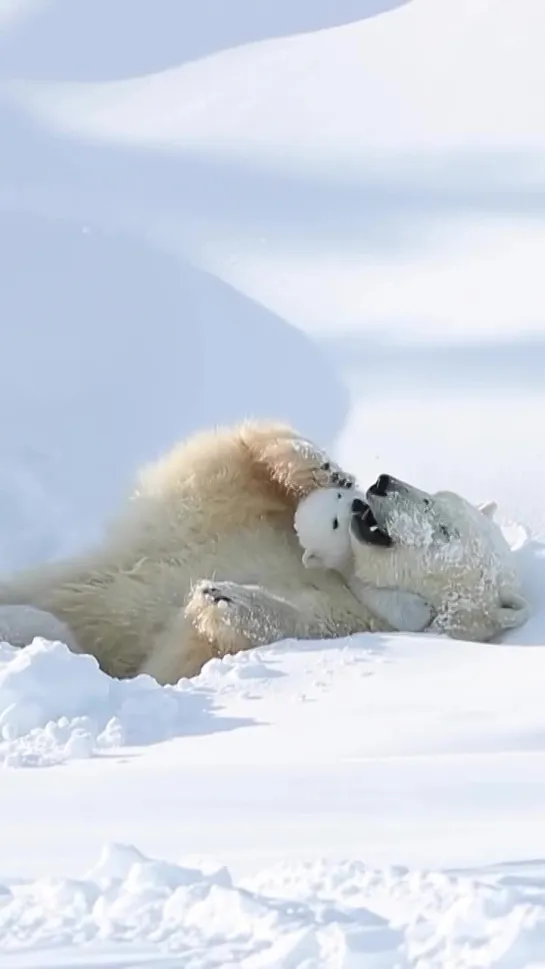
236	617
296	465
180	651
403	611
240	617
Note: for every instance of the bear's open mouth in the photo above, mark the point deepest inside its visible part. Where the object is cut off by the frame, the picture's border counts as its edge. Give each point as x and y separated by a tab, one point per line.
363	525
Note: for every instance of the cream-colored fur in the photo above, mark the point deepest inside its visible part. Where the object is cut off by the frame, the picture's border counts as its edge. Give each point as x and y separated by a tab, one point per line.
448	567
204	560
451	553
322	522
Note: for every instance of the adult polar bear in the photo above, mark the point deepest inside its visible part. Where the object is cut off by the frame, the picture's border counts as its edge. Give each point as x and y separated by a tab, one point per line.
219	506
396	539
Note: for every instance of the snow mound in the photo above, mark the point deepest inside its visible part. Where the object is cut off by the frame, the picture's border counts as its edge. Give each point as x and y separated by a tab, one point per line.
57	706
128	898
293	916
482	919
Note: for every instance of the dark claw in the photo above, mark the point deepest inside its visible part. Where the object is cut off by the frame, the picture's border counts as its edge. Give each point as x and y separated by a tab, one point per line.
341	481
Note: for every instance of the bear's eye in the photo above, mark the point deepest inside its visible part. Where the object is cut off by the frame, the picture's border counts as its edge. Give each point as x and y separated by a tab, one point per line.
426	502
335	523
444	532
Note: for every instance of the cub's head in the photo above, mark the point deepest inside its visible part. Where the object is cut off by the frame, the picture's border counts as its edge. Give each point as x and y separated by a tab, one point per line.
437	546
322	524
443	548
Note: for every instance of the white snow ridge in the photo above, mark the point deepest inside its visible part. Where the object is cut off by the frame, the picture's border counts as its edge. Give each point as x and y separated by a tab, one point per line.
335	916
330	212
57	706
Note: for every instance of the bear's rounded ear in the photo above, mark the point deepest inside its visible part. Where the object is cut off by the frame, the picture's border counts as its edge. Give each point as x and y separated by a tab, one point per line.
311	560
513	611
488	508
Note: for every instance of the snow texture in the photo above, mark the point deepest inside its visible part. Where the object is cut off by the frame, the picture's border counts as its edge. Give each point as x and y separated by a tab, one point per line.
325	211
340	916
57	706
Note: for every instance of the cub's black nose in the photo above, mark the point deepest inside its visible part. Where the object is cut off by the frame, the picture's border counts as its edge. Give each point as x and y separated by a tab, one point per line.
358	506
381	485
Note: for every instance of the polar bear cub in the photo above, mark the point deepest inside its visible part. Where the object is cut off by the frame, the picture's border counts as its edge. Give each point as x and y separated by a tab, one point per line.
439	547
322	523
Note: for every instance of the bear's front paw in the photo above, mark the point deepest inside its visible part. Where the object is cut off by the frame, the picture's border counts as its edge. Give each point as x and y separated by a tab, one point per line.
215	610
302	467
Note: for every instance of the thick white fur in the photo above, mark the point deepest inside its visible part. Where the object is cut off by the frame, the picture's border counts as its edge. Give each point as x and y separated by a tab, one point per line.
448	553
322	523
204	560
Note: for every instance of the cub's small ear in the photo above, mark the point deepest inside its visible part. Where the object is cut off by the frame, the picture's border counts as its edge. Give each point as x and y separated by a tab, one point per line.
488	508
311	560
514	610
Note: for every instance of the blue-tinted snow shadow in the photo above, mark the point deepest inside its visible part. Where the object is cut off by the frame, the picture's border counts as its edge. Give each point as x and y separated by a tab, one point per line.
112	351
138	348
525	875
93	956
97	40
382	358
402	207
199	715
530	560
115	349
376	207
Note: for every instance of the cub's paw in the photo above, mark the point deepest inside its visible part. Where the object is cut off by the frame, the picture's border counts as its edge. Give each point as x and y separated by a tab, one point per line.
330	475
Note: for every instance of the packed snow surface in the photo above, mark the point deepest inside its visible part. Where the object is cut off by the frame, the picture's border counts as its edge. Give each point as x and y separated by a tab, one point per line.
331	212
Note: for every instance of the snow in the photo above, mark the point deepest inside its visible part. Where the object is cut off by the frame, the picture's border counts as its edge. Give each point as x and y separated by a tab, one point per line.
57	706
310	915
329	211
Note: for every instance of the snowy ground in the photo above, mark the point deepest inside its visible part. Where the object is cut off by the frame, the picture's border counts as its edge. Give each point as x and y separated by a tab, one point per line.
331	211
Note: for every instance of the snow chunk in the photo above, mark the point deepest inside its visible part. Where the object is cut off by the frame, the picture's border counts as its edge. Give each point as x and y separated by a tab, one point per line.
129	898
307	915
57	706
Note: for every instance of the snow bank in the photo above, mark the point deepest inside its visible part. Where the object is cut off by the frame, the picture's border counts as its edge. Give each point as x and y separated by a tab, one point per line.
57	706
297	916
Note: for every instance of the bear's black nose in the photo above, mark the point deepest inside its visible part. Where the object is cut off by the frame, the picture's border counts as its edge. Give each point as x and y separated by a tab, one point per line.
381	486
358	506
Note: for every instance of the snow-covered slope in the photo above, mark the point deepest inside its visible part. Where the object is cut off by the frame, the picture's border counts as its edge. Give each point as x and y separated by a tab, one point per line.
309	770
331	211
